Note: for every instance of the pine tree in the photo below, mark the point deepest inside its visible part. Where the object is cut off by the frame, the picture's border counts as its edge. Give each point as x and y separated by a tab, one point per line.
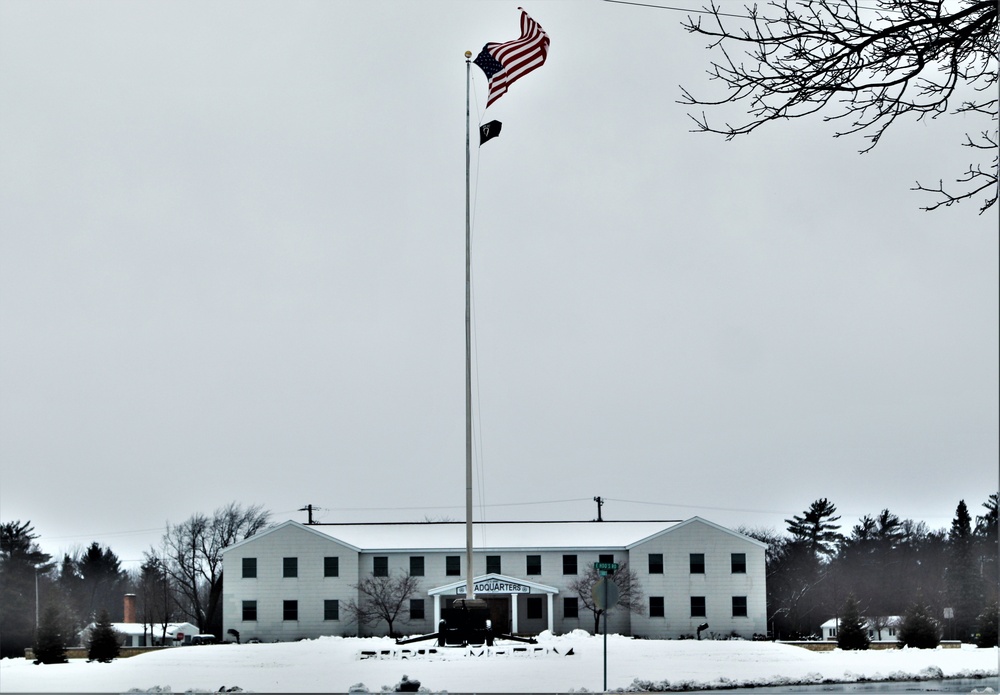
986	634
817	528
103	645
918	628
50	646
851	632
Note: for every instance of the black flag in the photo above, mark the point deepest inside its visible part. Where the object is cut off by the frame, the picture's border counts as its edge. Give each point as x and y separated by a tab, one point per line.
488	131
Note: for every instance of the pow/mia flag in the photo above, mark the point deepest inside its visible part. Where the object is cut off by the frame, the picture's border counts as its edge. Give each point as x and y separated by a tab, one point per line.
488	131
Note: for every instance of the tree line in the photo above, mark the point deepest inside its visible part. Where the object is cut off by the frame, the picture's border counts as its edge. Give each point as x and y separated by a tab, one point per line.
887	564
179	581
883	566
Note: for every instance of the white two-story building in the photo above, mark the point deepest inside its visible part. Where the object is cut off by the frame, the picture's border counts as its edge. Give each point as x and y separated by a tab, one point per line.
295	581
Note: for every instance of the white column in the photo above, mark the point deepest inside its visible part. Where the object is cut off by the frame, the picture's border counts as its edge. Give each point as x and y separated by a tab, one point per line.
437	610
551	603
513	614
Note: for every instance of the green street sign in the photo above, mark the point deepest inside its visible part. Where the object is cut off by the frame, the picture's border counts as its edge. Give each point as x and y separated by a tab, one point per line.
603	567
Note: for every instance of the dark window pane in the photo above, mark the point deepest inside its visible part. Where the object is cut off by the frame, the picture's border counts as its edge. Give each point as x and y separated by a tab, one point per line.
571	608
656	563
331	609
331	567
290	610
290	567
739	563
569	564
249	610
417	566
655	606
605	558
697	563
493	564
534	608
697	606
739	606
380	566
453	565
534	565
249	567
416	609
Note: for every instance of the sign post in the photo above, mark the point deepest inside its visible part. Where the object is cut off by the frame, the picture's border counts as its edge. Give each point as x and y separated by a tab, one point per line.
605	594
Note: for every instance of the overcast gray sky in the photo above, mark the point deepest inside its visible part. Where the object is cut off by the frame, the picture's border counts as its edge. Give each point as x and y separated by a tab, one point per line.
232	268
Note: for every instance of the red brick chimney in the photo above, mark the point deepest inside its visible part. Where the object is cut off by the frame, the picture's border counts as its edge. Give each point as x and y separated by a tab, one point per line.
129	608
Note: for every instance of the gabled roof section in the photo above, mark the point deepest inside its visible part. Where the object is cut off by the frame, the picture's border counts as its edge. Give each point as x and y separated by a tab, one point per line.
293	524
698	520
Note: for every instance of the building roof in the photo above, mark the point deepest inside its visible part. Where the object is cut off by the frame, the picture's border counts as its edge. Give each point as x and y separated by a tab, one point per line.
144	628
493	536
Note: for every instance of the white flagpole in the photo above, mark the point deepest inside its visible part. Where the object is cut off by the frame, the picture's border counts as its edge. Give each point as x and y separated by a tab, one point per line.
468	350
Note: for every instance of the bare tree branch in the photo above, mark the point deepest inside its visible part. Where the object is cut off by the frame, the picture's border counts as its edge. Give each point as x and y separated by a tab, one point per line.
863	67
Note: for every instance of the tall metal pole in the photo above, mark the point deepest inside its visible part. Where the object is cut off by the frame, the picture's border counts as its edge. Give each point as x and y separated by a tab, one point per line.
468	348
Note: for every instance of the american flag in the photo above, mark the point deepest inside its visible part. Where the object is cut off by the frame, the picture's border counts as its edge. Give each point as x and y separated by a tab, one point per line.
504	63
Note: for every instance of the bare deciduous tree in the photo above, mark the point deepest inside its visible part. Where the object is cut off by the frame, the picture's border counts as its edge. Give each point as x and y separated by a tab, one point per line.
193	554
629	596
863	65
382	598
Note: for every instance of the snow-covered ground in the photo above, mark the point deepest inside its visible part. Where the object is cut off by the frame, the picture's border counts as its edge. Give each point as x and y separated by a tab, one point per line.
557	664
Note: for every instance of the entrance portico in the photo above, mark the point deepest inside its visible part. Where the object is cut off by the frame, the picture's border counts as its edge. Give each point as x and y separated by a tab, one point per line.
497	586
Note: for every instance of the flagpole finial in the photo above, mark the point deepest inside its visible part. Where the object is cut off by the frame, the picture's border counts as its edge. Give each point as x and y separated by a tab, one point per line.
468	54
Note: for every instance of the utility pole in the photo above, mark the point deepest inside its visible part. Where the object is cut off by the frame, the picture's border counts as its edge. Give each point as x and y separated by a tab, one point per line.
309	508
600	503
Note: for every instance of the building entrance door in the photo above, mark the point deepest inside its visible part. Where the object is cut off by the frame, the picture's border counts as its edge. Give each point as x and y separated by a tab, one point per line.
499	613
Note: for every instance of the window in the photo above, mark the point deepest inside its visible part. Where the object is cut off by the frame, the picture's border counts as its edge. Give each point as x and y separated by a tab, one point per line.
249	567
571	607
656	607
416	565
453	565
697	563
290	567
739	563
656	563
290	610
569	564
492	564
739	606
380	566
331	609
697	606
249	610
534	565
534	608
605	558
416	609
331	567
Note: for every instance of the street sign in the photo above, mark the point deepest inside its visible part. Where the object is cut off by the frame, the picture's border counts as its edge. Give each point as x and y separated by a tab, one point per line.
604	567
605	594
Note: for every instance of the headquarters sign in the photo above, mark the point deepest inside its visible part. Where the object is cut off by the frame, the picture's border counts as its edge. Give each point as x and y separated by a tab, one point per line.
495	586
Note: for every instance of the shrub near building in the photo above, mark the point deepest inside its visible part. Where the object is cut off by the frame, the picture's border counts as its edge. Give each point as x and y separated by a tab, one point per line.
104	641
852	634
918	628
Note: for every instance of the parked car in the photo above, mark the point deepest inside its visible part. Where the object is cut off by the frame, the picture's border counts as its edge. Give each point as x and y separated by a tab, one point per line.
253	640
203	639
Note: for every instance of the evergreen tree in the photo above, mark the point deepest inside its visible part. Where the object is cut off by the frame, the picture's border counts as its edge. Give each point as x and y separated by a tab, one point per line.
817	528
50	645
918	628
965	584
103	646
986	634
851	632
22	563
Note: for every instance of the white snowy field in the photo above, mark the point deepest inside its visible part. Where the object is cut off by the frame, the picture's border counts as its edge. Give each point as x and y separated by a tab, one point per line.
335	664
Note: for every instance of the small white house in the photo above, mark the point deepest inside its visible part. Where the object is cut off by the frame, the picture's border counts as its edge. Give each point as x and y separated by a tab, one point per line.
144	635
880	629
